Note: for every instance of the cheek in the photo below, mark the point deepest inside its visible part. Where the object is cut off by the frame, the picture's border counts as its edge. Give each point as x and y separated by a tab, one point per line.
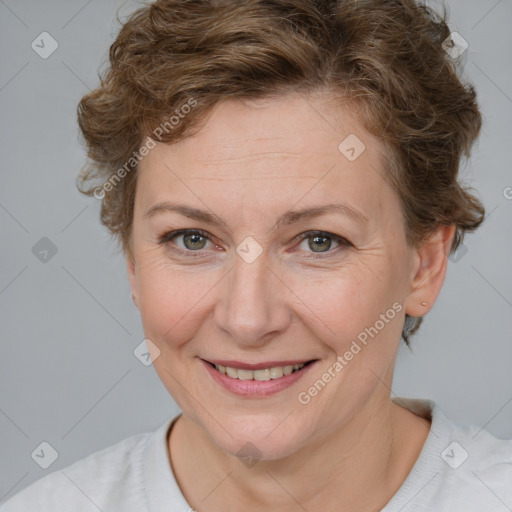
358	318
349	304
172	301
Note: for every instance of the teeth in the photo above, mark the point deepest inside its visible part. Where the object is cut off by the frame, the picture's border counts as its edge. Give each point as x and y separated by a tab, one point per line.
245	374
263	374
275	373
231	372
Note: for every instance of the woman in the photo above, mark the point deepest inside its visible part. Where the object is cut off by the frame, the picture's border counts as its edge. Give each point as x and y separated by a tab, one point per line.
282	176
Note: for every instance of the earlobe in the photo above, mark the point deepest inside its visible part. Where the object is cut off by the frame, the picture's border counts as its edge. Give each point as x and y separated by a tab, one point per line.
429	271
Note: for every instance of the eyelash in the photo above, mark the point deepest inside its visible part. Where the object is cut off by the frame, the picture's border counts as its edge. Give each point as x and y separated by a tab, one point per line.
170	235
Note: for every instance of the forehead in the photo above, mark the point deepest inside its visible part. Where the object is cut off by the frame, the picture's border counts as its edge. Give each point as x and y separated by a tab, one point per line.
277	150
293	127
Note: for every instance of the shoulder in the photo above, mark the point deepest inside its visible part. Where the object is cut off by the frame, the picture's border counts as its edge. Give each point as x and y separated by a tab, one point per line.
477	463
102	480
462	467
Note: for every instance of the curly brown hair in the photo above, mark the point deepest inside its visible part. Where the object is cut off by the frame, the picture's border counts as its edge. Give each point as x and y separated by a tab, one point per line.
173	60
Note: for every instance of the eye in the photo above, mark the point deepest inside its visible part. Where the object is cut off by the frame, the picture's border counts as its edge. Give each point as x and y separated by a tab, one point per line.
186	240
322	242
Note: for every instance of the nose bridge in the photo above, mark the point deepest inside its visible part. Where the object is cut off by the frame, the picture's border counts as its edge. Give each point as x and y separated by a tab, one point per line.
252	305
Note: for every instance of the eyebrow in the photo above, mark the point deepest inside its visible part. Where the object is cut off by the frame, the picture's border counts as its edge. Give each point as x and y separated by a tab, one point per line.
287	218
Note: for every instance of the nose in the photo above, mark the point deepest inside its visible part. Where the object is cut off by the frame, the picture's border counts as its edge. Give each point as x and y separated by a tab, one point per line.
252	306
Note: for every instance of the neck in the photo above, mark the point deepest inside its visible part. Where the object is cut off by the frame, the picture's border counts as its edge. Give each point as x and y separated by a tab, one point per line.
358	467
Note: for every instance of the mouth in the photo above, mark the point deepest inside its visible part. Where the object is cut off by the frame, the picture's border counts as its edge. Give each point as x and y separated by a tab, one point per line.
260	379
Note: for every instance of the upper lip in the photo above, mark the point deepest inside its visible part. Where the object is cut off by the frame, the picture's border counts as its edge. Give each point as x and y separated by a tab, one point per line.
256	366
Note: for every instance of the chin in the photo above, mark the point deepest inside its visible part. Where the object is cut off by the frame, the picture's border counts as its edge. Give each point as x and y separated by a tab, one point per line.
260	449
257	438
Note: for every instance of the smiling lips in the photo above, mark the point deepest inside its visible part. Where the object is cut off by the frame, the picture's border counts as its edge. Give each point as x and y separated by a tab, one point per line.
256	380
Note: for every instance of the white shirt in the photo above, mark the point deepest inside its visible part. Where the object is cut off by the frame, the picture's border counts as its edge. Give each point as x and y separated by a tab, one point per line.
461	468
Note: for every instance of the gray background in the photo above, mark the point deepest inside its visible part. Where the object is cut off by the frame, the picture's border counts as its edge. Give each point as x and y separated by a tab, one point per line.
68	375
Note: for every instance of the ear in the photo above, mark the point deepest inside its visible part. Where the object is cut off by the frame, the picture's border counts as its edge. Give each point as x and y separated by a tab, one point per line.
130	266
429	271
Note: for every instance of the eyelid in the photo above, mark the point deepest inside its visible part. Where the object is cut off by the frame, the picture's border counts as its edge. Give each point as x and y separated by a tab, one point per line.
169	235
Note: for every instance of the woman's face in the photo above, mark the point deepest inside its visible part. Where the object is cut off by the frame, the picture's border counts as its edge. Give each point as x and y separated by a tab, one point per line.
247	283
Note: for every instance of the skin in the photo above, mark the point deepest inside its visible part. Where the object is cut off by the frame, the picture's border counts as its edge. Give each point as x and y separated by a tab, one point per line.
350	448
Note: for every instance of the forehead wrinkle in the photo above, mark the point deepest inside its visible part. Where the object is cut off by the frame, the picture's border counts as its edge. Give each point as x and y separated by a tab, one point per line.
230	143
251	178
255	156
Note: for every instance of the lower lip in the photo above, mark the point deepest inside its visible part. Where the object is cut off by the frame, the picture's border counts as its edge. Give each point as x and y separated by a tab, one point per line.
256	388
